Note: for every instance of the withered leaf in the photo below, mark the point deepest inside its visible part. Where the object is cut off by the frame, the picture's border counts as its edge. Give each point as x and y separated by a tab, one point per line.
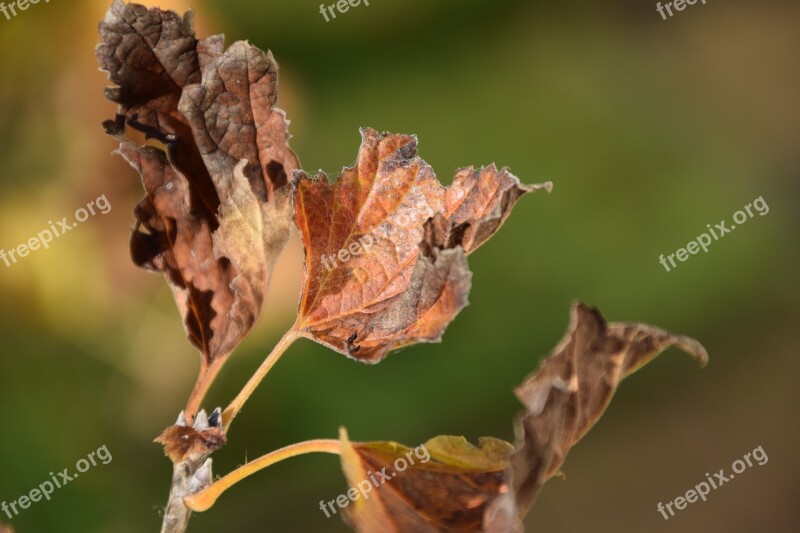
568	395
184	443
234	118
150	55
217	208
386	246
444	485
491	488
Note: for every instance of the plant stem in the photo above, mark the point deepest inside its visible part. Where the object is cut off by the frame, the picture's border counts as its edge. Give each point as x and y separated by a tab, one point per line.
203	500
236	405
208	374
176	514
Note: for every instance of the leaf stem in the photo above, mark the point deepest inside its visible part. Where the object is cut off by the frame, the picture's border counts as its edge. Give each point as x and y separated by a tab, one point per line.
208	374
236	405
203	500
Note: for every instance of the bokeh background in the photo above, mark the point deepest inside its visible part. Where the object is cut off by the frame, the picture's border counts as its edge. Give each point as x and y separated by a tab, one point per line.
649	129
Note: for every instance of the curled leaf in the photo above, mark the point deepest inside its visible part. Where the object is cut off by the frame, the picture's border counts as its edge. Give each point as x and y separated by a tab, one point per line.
568	395
386	246
563	400
150	55
444	485
448	484
217	206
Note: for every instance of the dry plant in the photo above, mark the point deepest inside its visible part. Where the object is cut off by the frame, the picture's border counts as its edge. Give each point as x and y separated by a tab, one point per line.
222	190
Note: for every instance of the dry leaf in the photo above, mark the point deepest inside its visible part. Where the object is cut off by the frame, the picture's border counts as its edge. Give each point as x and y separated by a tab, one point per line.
217	209
491	488
567	396
386	246
192	444
448	492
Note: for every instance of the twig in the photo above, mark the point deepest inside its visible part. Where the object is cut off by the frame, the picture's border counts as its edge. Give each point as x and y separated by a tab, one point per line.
185	478
203	500
236	405
189	448
193	474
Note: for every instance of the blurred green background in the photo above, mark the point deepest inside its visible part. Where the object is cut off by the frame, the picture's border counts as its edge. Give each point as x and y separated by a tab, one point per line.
649	129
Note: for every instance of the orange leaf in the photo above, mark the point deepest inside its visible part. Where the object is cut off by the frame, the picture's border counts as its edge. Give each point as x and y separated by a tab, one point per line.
386	246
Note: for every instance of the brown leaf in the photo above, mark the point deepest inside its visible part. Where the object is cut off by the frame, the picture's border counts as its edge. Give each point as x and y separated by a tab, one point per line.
447	492
217	209
567	396
192	444
151	55
181	443
386	246
234	118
